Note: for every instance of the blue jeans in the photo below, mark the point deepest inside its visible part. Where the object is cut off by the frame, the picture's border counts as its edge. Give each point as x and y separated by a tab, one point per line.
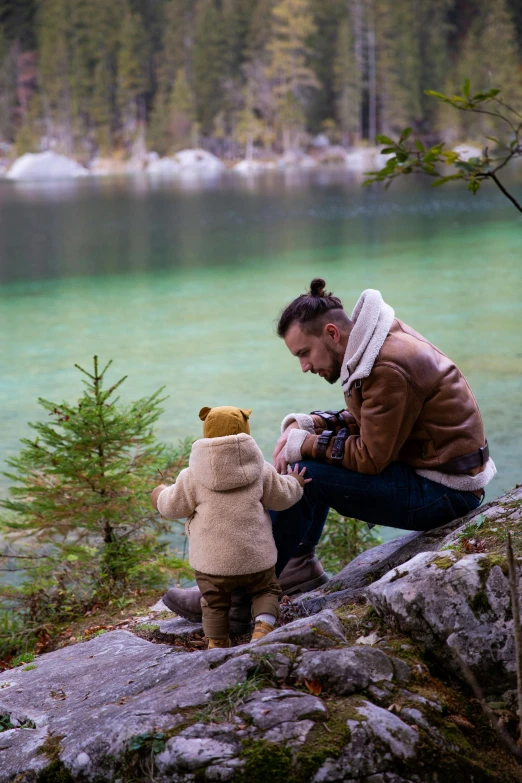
396	497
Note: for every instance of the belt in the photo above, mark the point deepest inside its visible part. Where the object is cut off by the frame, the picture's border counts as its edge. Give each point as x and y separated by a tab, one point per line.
467	462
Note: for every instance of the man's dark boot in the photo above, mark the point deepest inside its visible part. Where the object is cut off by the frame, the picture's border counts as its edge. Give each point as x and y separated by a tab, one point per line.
185	602
303	572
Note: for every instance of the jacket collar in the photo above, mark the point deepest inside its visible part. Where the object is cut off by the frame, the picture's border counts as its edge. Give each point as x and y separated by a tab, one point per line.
372	319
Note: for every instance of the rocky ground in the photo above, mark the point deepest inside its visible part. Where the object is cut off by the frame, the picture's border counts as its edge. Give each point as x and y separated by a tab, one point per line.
364	682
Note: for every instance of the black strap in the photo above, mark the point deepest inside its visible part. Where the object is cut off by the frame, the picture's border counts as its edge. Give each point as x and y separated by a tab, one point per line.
333	417
466	463
338	445
322	444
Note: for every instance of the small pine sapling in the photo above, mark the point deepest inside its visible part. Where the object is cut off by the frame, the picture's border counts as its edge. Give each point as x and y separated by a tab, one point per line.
81	528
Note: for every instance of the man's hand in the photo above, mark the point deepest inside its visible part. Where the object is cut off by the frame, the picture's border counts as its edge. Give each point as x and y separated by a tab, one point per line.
278	457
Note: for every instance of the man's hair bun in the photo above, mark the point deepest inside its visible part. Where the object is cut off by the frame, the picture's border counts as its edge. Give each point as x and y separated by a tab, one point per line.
317	287
309	309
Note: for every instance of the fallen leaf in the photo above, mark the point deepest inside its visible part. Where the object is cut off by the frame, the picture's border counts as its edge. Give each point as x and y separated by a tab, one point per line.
395	707
371	639
265	712
461	722
314	687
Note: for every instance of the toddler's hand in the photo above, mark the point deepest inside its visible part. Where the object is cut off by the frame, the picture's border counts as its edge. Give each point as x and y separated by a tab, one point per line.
155	494
299	476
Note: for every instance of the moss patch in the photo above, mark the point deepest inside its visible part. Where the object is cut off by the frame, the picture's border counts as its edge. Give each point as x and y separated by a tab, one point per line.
443	561
266	763
55	772
487	534
479	603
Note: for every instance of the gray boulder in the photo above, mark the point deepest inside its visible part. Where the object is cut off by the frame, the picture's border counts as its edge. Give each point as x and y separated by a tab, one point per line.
346	671
373	727
459	608
369	566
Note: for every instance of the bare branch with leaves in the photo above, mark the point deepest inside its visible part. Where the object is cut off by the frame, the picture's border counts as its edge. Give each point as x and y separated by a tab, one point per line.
412	157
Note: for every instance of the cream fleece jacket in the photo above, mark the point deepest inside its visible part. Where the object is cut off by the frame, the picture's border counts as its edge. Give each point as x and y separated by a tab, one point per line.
225	493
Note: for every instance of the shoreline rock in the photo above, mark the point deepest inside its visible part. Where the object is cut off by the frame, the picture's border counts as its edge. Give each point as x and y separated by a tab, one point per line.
344	693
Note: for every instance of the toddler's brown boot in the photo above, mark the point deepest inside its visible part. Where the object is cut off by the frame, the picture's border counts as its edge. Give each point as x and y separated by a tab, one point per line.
221	642
261	629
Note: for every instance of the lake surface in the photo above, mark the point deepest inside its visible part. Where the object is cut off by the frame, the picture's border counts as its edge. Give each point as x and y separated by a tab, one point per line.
181	286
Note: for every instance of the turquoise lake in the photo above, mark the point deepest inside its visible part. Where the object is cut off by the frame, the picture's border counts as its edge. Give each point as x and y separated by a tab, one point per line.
181	286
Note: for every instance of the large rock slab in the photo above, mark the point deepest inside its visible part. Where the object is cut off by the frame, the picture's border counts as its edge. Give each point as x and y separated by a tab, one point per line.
460	608
99	694
369	566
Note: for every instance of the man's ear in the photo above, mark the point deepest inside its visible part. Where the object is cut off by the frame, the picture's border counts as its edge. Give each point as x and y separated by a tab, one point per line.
332	331
246	412
204	413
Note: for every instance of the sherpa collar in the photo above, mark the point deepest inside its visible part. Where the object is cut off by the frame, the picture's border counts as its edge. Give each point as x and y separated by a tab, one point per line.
372	319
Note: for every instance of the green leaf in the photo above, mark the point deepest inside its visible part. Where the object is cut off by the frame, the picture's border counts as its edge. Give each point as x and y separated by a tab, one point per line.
466	88
379	139
451	156
443	180
388	150
402	157
406	133
420	146
433	94
473	186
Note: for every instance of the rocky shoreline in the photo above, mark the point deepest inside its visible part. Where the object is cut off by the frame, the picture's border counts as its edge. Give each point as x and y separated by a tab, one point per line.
189	163
363	683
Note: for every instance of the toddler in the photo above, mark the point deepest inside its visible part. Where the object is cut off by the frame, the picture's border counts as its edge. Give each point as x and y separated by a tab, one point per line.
225	493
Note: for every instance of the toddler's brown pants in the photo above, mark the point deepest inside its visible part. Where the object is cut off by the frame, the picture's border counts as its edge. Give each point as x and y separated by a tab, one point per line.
262	587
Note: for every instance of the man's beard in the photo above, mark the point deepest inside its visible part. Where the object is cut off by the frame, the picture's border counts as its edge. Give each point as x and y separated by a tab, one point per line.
333	373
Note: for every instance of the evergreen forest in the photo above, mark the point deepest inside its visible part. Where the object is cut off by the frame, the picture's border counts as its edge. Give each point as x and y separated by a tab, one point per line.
110	77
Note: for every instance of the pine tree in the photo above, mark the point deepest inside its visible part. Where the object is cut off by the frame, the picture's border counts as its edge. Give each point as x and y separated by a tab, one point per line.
17	20
347	82
328	17
175	54
81	501
181	113
55	70
288	69
132	78
209	63
412	56
493	32
249	128
237	20
7	88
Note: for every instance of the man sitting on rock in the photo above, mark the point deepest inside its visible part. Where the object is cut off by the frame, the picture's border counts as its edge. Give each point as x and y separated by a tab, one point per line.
408	451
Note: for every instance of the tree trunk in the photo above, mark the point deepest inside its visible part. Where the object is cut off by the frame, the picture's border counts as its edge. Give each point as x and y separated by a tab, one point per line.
372	85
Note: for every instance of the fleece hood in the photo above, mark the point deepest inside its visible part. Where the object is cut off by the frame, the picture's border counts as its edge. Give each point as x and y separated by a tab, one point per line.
226	463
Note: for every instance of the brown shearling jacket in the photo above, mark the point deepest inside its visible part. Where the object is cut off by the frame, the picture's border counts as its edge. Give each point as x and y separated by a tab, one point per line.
415	406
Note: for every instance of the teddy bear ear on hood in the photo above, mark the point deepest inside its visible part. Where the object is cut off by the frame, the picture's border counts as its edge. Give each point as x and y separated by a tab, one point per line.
204	413
246	412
